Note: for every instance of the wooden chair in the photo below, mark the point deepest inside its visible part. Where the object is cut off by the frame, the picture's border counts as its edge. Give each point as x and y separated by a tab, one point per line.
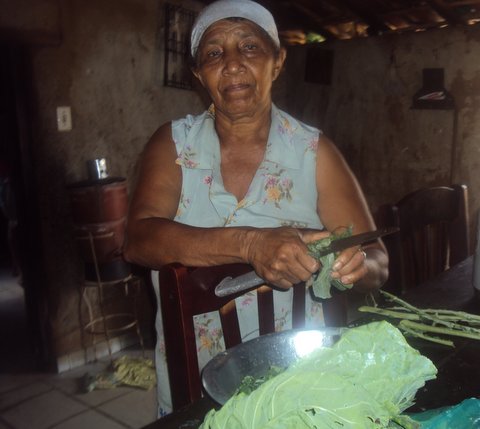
434	234
185	292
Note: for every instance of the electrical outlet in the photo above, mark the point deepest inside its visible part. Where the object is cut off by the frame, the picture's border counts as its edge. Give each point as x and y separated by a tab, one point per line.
64	118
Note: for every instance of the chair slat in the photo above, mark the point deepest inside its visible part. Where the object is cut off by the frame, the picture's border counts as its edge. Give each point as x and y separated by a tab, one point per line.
230	325
434	234
298	306
266	316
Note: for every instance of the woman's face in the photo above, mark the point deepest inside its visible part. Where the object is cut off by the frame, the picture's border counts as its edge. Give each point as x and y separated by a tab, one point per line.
236	63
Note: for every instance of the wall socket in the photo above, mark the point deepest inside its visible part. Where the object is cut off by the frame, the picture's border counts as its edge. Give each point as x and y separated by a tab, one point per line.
64	118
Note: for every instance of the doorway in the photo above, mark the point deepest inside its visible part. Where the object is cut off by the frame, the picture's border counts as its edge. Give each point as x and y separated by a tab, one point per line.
22	332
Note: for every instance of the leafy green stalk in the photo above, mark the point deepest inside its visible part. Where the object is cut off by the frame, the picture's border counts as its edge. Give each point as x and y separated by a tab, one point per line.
322	282
423	336
439	330
421	322
451	315
395	314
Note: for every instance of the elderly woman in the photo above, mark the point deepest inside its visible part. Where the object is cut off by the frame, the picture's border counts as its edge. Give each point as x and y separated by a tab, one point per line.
244	181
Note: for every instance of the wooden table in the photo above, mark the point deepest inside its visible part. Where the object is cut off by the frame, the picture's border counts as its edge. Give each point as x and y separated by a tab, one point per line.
458	368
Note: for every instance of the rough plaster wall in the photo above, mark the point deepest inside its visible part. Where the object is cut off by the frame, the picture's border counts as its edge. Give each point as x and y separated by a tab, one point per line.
39	16
109	69
366	111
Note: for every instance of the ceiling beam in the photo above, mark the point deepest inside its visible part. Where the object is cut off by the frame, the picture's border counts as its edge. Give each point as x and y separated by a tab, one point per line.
445	12
319	15
375	23
315	22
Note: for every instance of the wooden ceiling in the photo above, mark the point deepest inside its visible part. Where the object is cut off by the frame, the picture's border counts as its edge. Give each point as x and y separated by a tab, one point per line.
302	21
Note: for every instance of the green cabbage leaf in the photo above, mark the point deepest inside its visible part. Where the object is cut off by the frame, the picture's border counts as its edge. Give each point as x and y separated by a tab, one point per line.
366	380
321	282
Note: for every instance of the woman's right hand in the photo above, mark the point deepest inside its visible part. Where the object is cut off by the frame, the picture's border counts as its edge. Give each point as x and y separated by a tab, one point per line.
280	255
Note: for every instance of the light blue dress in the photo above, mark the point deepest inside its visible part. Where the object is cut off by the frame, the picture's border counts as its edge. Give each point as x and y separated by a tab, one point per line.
282	193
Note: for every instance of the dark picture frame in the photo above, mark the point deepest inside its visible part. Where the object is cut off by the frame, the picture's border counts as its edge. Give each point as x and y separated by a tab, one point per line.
178	25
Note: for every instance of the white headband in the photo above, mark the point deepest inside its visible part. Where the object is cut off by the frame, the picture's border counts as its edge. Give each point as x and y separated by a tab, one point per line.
222	9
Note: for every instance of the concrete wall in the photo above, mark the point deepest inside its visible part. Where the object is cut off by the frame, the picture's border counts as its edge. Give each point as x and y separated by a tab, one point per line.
367	111
105	60
27	17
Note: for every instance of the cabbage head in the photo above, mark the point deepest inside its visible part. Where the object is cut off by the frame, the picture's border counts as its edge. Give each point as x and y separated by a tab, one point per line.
365	381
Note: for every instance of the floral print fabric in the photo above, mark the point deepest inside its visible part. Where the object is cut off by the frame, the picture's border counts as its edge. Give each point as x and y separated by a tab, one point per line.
282	193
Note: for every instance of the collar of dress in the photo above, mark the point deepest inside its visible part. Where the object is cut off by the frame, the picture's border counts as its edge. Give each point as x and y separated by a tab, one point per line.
281	148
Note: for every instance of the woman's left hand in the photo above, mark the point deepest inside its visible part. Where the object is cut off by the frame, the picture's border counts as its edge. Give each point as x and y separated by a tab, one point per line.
350	266
342	203
364	267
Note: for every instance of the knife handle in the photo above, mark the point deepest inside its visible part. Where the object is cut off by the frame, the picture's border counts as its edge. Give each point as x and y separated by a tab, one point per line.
231	285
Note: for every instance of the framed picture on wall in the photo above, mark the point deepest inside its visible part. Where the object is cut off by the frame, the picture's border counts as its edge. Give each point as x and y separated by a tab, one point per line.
179	22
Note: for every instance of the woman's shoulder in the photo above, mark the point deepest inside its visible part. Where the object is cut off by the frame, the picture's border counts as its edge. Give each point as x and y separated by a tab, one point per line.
193	133
190	121
290	123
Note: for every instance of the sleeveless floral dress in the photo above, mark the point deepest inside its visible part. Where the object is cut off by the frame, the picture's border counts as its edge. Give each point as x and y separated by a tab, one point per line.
282	193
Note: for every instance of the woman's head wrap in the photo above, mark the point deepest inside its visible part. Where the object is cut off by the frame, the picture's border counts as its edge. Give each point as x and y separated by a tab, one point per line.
222	9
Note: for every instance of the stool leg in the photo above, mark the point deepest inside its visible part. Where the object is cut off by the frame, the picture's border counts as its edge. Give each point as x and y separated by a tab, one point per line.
135	314
101	297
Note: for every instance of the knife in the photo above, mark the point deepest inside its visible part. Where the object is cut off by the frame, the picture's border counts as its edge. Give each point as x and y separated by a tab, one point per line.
230	285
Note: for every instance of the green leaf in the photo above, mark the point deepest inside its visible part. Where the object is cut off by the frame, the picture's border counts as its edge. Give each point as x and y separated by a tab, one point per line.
364	381
322	281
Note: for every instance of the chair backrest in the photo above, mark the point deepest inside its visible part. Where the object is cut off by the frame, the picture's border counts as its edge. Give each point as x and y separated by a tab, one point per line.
185	292
434	234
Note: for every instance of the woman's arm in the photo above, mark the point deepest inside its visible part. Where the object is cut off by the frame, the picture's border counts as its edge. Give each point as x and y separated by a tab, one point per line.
279	255
341	203
153	238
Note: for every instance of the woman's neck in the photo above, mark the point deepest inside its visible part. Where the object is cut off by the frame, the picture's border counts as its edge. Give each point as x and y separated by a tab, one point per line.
245	130
243	143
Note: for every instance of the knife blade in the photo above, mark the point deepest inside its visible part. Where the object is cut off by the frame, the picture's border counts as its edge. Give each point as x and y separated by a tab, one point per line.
230	285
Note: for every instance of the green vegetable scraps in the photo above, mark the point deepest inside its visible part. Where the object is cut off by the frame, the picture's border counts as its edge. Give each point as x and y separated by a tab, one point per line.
322	282
364	381
250	383
422	323
124	371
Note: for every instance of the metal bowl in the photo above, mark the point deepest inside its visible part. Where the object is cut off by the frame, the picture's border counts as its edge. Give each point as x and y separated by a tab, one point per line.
222	375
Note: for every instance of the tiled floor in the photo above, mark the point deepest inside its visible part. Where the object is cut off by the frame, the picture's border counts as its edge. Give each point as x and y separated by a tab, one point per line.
33	400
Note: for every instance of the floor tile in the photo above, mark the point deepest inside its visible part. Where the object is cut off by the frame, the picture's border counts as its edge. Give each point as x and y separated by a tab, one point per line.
99	397
13	397
42	411
136	409
71	382
15	381
39	400
16	356
89	419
